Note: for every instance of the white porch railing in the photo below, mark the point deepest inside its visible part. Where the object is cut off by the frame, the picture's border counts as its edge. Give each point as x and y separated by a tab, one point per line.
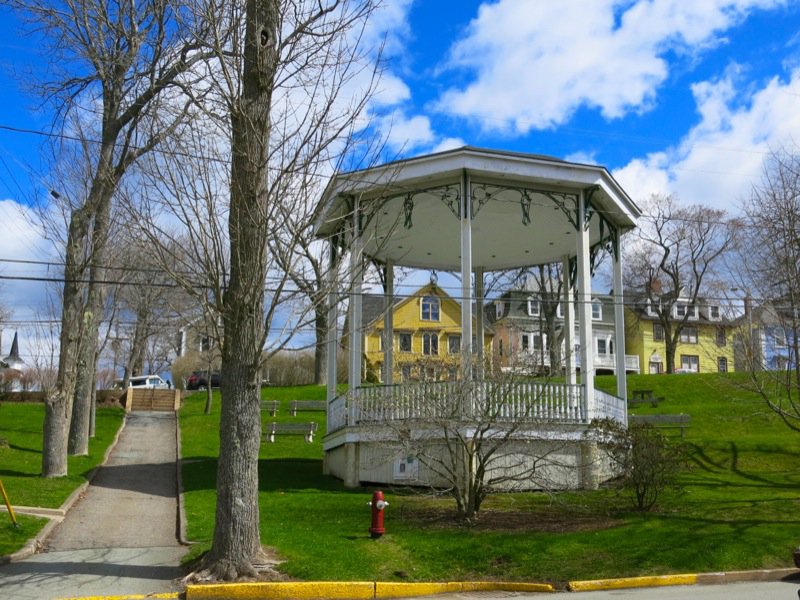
521	401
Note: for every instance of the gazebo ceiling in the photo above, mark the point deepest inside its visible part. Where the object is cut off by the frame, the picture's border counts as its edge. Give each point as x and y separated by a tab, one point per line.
524	208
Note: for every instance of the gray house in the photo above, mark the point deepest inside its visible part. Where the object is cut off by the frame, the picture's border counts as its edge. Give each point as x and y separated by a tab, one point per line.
529	332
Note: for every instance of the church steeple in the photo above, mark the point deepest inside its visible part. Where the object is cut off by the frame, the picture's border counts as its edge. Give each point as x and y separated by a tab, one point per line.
13	360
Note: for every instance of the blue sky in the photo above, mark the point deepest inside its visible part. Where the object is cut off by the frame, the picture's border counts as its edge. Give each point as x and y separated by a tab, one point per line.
672	96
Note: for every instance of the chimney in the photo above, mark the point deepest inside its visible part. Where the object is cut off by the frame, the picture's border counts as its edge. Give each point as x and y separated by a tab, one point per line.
655	287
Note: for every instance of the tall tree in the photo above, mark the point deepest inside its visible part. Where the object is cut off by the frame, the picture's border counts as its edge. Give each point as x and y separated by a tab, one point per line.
286	93
770	272
676	256
111	63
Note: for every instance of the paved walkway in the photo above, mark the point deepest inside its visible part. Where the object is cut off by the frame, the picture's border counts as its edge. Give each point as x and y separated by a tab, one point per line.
121	536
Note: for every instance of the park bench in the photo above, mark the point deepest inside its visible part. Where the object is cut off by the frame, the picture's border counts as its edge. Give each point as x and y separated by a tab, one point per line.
680	421
306	429
271	406
307	406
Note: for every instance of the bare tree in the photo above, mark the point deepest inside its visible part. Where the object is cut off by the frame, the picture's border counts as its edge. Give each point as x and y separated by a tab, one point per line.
282	101
475	439
676	257
770	271
111	64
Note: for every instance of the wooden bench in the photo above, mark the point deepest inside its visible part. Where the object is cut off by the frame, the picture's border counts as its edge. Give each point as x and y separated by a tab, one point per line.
307	406
306	429
271	406
680	421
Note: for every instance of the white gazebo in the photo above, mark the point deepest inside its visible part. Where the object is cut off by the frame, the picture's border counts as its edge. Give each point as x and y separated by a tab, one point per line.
470	211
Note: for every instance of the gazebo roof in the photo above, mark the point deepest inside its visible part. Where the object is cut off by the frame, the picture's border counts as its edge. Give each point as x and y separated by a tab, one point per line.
524	208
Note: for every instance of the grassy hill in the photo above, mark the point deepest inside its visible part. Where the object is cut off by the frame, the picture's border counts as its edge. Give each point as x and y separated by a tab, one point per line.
737	509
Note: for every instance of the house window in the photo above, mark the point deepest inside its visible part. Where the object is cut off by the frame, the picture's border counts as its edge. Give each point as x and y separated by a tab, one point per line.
682	310
722	364
652	309
690	362
499	309
713	313
532	341
689	335
597	310
454	344
430	308
560	310
658	332
534	307
430	344
405	372
205	344
404	342
602	346
722	339
500	347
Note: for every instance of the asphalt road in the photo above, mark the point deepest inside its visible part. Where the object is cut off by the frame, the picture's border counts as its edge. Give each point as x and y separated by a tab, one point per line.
121	536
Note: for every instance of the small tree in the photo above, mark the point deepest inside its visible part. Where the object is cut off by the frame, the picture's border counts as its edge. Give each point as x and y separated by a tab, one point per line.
647	462
476	439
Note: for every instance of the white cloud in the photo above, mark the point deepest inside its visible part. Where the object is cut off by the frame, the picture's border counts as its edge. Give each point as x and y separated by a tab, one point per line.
717	161
536	63
449	144
404	133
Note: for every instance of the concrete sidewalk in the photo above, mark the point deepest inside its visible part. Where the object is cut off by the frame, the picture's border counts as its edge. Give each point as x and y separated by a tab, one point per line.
121	536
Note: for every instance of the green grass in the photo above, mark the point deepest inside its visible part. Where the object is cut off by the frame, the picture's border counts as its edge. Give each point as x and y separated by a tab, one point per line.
21	465
738	508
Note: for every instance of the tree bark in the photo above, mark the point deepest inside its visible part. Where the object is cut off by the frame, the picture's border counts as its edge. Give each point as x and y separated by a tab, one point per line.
237	542
320	342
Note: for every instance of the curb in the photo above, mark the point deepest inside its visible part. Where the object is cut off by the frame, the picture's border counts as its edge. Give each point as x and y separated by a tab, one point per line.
182	523
34	545
356	590
720	578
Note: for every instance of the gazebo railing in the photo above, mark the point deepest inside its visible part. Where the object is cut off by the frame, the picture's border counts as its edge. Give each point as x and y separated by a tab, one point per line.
520	401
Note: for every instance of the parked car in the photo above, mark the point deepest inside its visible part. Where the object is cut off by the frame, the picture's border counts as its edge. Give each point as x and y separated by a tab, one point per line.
199	380
144	382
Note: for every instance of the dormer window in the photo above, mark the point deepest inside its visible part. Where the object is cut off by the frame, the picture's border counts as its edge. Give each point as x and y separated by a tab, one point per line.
499	305
652	309
713	313
534	307
430	308
682	310
560	310
597	310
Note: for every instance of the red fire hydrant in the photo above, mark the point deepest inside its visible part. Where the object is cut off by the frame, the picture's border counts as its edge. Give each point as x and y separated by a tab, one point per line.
377	504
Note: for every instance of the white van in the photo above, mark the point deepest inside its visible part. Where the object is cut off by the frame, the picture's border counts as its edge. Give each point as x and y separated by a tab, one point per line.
148	382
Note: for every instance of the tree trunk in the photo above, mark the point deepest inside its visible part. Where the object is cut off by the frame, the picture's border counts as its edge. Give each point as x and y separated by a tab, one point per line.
321	343
237	543
82	403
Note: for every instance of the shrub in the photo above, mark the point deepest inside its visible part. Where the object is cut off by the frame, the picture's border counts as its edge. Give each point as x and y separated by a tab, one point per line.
647	461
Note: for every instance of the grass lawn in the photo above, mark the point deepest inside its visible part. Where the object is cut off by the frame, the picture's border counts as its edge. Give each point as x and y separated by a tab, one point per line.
21	464
737	510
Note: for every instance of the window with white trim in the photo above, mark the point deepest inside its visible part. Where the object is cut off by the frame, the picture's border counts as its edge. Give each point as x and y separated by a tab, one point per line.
722	364
690	362
534	307
430	344
689	335
714	313
454	344
404	342
602	346
499	307
430	308
597	310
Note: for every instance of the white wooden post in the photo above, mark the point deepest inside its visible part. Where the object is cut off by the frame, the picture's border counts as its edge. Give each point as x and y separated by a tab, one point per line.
584	281
568	306
357	275
466	278
479	323
619	325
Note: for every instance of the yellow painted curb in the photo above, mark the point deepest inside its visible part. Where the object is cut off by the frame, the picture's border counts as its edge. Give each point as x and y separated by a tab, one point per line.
360	590
389	589
632	582
165	595
283	590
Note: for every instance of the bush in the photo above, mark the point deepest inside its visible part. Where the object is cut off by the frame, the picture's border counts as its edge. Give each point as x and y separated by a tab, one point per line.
647	461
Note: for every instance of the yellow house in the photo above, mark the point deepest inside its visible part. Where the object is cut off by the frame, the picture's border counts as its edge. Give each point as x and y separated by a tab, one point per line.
705	345
426	336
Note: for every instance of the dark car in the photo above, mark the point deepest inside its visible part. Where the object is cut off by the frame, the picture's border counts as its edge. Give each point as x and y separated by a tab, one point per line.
199	380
